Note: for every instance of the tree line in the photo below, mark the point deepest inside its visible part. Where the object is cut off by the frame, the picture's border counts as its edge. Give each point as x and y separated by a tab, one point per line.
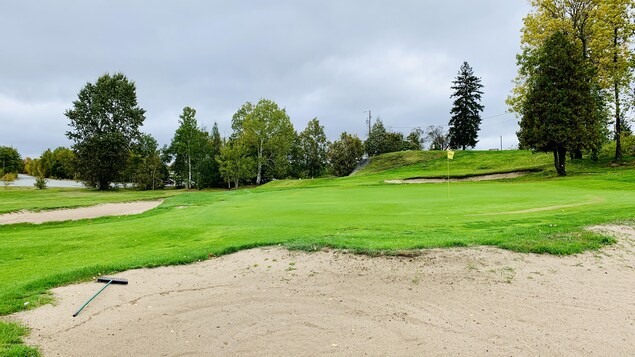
108	145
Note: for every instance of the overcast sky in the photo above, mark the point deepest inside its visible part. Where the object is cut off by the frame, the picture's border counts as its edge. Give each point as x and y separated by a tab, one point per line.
327	59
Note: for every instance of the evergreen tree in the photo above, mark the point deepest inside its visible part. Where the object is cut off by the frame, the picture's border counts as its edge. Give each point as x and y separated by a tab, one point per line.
376	142
466	110
105	122
559	111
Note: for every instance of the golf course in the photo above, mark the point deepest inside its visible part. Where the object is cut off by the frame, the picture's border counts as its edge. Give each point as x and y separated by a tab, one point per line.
534	213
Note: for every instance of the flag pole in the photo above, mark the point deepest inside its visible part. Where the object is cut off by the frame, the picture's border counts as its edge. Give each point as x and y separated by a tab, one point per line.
448	160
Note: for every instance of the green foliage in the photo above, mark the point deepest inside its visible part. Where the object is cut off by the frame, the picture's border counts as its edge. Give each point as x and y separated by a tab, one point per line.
381	141
559	112
149	172
10	160
59	164
414	140
313	148
603	33
466	109
105	122
40	183
235	162
267	133
344	154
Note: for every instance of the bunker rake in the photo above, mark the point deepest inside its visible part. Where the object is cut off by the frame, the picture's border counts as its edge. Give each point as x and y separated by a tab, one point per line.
104	279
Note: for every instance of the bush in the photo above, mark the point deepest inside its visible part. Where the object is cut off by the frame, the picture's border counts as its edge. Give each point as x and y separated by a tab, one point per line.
40	182
628	147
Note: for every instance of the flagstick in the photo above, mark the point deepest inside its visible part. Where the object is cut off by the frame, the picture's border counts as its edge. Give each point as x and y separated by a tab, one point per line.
448	176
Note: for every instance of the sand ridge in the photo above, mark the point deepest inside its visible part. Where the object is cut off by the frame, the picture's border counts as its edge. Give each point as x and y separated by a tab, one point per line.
477	301
106	209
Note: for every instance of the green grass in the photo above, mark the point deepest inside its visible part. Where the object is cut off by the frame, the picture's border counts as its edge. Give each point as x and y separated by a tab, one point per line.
16	199
539	213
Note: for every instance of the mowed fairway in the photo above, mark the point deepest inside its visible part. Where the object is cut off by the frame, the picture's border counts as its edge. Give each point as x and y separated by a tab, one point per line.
530	214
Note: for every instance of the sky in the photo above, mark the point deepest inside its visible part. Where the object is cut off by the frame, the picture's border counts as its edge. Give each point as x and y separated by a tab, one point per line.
329	59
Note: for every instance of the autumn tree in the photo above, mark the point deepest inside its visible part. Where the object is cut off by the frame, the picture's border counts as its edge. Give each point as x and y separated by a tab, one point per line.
267	133
466	109
105	122
344	154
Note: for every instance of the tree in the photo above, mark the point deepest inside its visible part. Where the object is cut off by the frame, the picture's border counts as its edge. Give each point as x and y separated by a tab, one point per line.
602	31
437	137
559	107
376	142
235	162
344	154
105	122
466	109
148	170
267	133
10	160
185	144
415	139
313	147
8	178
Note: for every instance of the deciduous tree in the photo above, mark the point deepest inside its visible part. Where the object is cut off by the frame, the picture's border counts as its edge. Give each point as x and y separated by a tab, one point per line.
267	133
105	122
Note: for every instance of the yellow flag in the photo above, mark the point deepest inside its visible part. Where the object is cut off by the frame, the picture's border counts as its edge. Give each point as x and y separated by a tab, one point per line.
450	154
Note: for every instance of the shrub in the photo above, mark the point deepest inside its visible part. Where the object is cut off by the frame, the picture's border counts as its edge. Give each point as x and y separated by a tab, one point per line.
40	182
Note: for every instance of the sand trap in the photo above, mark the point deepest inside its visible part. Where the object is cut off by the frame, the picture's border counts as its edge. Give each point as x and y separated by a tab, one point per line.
459	179
107	209
467	301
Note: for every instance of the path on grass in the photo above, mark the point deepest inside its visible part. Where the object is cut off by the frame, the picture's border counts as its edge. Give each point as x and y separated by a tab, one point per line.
479	301
106	209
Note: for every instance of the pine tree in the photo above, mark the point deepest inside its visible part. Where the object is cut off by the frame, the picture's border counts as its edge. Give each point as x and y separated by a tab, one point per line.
466	117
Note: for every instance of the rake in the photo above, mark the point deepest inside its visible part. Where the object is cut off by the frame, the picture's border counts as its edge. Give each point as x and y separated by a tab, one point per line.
104	279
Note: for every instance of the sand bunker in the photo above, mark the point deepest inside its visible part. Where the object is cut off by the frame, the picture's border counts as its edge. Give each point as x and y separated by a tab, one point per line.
459	179
478	301
107	209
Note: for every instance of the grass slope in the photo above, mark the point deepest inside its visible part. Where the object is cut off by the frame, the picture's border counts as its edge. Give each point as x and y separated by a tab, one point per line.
539	213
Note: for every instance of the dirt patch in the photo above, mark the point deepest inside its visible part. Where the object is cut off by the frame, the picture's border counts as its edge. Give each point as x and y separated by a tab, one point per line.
107	209
467	301
460	179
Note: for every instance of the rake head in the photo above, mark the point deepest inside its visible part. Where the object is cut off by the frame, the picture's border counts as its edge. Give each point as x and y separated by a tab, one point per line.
108	279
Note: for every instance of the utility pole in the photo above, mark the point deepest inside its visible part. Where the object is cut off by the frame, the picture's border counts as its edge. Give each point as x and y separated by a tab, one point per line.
501	143
368	121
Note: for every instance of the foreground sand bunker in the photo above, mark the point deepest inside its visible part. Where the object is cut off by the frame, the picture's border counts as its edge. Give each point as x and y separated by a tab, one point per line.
467	301
107	209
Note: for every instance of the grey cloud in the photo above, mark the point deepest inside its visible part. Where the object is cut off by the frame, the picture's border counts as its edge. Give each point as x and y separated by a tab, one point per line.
330	59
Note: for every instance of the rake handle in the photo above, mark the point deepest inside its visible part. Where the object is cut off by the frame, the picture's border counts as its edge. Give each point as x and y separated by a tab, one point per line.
91	299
